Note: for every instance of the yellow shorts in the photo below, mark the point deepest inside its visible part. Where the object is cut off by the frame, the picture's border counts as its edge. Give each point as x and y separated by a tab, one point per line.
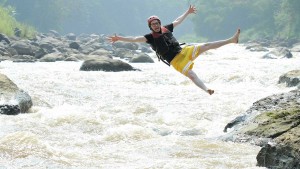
183	61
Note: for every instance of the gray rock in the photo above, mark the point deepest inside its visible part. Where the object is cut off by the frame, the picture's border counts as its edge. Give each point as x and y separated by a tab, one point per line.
273	123
74	45
278	157
291	78
4	38
105	64
53	57
23	48
14	100
141	58
278	53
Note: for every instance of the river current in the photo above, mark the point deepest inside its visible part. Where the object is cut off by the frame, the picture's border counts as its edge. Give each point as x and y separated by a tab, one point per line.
152	119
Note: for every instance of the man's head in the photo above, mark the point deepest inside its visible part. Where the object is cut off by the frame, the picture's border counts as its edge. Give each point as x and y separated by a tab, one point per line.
154	23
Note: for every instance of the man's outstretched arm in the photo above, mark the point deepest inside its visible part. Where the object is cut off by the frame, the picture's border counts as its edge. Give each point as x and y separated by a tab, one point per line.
126	39
192	9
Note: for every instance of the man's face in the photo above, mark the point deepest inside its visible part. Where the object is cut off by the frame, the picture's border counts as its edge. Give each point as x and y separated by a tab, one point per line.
155	25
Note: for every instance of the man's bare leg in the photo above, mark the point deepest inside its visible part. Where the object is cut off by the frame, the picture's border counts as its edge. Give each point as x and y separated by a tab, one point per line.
217	44
192	75
211	45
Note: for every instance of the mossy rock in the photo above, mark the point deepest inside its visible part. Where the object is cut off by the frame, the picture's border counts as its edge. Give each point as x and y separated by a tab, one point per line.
272	124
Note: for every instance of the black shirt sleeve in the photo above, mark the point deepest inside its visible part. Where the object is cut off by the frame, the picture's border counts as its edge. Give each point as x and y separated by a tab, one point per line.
149	38
170	27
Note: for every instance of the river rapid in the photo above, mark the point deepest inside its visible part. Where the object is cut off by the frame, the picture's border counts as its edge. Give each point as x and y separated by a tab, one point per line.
152	119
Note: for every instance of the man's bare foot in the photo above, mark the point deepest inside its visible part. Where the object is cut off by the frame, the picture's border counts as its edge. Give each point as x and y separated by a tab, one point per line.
235	38
210	91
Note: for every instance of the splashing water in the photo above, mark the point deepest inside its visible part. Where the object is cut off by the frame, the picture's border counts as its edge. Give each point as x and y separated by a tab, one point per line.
154	118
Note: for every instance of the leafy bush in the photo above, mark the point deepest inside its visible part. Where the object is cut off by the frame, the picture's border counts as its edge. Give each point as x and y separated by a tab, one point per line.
8	24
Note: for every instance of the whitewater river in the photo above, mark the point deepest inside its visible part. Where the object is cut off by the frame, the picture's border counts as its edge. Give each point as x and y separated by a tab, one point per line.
154	118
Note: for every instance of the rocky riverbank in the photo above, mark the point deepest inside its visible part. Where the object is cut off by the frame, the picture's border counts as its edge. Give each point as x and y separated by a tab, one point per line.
274	124
95	52
51	47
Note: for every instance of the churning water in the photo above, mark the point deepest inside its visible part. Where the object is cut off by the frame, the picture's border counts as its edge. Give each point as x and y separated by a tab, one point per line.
153	118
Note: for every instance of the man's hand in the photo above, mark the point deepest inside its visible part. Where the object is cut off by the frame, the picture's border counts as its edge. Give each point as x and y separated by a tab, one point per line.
192	9
113	39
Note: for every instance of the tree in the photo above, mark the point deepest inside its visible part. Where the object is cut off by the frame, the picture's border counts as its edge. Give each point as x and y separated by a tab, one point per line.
287	19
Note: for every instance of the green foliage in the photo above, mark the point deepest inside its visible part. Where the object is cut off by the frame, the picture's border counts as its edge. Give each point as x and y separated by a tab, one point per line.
8	23
43	14
258	19
288	19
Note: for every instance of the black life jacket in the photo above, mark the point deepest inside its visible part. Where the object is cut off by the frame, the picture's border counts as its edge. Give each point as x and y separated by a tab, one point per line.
165	45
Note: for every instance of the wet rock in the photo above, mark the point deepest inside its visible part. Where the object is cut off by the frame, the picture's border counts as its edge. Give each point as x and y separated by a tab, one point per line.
235	122
23	48
278	53
74	45
141	58
4	38
53	57
273	123
105	64
13	99
24	101
291	78
268	157
9	109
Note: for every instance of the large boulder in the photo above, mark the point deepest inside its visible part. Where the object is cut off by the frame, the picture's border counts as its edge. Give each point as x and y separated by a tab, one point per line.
291	78
24	48
4	38
53	57
105	64
74	45
273	123
14	100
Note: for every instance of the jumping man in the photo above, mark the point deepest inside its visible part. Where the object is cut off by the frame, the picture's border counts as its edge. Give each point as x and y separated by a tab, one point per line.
168	49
